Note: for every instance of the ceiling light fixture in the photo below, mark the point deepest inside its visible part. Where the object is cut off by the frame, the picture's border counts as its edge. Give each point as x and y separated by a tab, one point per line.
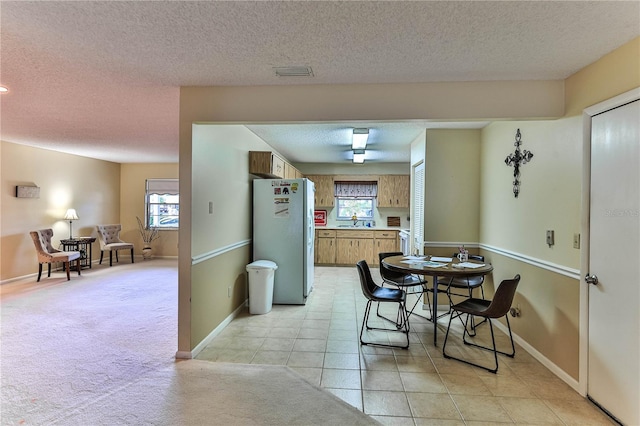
360	137
358	156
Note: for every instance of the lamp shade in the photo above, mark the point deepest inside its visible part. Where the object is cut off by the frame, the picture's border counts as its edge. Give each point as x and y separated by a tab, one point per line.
71	215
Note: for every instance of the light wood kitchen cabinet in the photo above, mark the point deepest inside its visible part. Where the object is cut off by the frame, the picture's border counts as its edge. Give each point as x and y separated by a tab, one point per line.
270	165
325	247
266	164
393	191
289	171
384	241
324	190
353	246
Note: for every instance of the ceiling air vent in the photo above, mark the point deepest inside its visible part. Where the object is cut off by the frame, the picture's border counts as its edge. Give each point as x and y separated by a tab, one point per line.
293	71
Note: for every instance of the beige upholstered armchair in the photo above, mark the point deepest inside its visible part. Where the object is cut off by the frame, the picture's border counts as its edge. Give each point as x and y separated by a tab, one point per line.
109	237
47	254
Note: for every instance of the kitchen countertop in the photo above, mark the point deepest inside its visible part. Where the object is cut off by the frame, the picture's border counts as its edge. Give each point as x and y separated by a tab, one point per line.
360	228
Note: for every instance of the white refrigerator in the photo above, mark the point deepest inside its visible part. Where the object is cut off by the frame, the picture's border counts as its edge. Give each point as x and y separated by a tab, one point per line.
284	232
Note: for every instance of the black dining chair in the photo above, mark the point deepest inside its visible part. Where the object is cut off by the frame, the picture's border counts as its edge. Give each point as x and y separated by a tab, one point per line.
375	293
463	287
405	281
488	309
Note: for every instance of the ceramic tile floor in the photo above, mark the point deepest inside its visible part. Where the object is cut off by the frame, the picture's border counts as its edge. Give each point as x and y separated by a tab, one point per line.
397	387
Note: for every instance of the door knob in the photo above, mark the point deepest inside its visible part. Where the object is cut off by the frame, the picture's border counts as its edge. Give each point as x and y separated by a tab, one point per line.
591	279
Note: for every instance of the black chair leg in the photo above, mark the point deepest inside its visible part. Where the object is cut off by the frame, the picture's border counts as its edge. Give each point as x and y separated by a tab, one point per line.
398	322
111	257
117	260
101	254
132	256
78	265
404	329
492	349
49	270
39	271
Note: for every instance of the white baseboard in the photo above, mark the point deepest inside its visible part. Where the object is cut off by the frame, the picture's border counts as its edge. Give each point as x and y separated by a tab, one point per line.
203	344
541	358
531	351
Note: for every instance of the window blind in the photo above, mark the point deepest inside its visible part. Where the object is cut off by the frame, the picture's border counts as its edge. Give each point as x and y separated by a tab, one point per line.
418	208
356	189
163	186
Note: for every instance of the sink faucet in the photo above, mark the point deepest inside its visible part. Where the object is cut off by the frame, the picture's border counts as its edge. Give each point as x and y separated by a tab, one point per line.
355	219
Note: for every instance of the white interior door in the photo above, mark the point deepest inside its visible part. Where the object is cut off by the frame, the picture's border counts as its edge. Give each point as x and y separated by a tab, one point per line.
614	258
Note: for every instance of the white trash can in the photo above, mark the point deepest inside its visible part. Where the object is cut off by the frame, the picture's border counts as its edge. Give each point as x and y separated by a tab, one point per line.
261	273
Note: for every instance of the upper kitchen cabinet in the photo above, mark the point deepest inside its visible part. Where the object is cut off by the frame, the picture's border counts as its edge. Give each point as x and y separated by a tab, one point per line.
324	190
270	165
393	191
291	172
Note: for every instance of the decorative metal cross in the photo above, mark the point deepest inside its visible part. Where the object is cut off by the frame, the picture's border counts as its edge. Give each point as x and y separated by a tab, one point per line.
515	160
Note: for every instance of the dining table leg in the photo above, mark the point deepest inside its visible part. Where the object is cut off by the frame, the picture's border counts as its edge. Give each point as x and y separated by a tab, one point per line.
434	312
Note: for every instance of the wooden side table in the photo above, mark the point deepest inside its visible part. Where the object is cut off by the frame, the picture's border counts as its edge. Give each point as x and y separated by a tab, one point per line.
83	245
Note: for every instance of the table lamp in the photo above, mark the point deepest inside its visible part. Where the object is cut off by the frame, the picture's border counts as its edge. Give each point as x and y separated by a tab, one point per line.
71	215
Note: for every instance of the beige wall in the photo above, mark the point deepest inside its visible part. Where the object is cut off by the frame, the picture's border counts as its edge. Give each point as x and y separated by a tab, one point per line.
92	187
452	186
220	244
132	182
615	73
437	101
550	191
514	230
549	304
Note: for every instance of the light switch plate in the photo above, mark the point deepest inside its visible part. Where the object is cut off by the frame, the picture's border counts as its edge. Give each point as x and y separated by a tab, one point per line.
576	241
550	238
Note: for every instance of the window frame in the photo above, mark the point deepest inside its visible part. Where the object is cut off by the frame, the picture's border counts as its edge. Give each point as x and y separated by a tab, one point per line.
339	207
153	208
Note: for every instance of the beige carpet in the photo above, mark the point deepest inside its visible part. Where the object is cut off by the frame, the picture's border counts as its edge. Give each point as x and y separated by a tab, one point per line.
205	393
99	350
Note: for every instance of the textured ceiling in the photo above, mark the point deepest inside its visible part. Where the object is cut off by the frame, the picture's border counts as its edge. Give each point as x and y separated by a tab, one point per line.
101	79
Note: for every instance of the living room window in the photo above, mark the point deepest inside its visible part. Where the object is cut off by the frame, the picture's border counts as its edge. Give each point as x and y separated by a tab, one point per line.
162	203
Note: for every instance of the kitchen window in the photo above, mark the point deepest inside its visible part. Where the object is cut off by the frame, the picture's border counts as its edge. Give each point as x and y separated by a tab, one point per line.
355	199
362	208
162	203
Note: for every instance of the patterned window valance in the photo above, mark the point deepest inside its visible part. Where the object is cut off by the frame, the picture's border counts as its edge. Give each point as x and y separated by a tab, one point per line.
356	189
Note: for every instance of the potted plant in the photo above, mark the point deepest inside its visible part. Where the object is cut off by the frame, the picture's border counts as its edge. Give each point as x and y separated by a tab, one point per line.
148	234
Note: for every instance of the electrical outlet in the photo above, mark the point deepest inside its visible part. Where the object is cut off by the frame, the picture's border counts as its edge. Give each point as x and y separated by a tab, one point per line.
210	207
576	241
229	292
